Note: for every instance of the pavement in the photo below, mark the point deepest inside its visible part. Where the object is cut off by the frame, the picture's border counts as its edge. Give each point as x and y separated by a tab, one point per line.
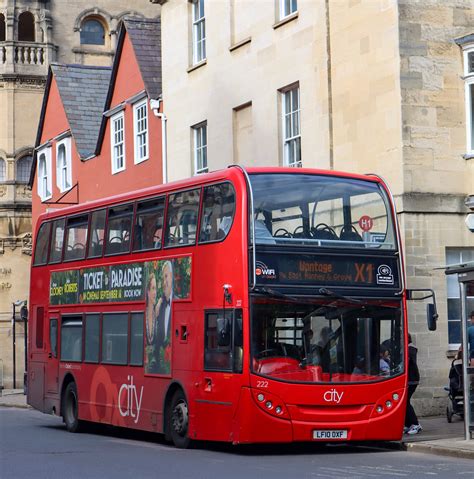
438	436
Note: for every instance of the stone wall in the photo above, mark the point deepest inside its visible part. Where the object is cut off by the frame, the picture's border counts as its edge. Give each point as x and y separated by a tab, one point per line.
436	176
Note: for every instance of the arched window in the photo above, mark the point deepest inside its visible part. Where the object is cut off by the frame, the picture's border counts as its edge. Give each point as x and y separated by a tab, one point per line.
23	169
26	27
3	170
92	32
2	27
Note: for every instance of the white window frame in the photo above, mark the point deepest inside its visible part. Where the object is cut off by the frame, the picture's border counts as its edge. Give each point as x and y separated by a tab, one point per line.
117	143
45	184
198	31
451	278
200	148
139	133
291	136
469	100
63	171
286	8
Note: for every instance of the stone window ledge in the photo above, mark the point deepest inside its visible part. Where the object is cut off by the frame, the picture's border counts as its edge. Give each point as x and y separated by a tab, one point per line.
240	44
285	20
468	156
197	65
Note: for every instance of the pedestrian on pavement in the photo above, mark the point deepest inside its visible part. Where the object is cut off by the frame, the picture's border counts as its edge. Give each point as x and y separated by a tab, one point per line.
412	426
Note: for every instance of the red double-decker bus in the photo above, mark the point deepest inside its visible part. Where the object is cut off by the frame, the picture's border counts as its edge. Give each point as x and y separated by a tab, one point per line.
245	305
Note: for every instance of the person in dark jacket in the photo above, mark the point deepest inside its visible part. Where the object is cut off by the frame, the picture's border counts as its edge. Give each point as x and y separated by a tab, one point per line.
412	426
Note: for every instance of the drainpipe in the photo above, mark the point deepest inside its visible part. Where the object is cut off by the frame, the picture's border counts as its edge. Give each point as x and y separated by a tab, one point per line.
155	106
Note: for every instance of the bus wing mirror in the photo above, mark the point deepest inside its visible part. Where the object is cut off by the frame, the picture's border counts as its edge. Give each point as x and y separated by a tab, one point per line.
223	332
24	313
431	310
431	316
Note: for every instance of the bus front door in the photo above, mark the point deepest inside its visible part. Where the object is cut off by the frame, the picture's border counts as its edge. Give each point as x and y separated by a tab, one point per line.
52	364
221	381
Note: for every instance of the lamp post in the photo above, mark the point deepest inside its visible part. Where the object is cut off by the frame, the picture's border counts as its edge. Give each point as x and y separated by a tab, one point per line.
24	318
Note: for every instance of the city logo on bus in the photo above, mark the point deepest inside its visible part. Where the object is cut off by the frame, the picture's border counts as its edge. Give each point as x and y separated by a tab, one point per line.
129	402
384	275
333	396
263	271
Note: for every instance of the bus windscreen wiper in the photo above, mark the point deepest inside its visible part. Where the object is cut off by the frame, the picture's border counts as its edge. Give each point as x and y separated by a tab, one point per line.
332	294
274	294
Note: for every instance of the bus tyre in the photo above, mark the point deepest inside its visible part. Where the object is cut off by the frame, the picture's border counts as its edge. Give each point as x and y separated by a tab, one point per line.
178	420
70	408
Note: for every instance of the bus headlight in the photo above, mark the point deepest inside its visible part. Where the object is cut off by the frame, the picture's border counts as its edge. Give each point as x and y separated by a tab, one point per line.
271	404
379	409
395	397
388	404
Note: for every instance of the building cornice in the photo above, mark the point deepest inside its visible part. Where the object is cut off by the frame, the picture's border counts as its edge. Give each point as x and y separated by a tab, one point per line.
431	203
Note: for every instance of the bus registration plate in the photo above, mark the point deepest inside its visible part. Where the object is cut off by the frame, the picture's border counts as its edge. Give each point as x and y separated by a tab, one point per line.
329	434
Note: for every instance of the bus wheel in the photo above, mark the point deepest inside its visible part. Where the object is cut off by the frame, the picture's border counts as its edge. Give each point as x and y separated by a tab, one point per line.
178	420
70	408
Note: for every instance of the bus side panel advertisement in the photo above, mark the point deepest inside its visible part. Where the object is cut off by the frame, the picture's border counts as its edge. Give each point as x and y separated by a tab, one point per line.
116	283
314	270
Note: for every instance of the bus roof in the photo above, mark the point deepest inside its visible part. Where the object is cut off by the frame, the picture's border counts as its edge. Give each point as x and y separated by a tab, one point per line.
201	179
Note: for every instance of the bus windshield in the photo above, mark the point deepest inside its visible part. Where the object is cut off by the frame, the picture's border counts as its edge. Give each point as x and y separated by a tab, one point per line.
318	210
336	340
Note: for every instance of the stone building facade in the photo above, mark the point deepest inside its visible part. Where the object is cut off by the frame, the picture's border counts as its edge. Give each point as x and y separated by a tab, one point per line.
34	33
376	86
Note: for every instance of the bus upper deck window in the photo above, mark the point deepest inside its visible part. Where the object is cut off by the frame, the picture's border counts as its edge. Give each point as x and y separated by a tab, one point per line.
119	229
97	233
41	245
217	212
182	218
76	237
149	224
57	240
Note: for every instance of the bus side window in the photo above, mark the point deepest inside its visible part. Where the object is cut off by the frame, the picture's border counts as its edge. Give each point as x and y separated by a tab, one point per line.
53	337
119	229
76	237
149	225
182	218
96	235
217	212
57	240
42	244
71	338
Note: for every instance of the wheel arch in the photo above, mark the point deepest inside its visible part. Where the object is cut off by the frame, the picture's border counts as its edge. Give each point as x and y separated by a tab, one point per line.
68	378
172	388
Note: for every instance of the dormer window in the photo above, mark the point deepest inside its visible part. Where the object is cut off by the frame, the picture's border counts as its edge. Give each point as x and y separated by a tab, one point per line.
63	165
44	173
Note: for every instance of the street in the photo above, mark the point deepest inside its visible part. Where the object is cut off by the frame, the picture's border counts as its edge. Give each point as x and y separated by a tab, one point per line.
36	445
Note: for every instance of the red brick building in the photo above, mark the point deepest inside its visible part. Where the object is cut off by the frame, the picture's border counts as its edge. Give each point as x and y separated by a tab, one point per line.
100	131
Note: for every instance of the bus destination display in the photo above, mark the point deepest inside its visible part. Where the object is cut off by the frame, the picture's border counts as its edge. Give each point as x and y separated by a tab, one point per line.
319	270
